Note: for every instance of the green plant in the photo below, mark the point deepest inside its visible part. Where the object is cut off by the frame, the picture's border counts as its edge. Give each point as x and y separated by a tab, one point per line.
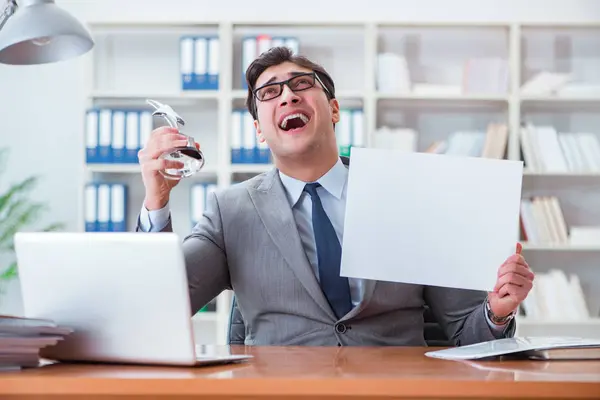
17	212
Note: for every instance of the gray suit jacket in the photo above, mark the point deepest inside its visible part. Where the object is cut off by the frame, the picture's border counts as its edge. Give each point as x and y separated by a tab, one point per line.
247	241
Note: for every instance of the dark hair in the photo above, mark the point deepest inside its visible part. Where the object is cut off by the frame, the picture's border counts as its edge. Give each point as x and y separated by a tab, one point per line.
276	56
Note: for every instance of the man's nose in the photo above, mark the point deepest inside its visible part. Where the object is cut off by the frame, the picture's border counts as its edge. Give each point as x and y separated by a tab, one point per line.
288	97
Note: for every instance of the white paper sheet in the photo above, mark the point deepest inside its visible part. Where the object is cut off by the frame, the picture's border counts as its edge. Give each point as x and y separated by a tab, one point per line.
506	346
430	219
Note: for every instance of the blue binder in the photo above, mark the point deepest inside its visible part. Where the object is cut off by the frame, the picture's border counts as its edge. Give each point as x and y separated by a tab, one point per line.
92	136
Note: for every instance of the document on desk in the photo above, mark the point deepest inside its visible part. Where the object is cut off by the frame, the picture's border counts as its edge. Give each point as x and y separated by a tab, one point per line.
542	348
430	219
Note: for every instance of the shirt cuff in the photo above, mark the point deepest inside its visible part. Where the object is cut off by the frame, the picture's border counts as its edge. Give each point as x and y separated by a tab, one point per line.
155	220
498	330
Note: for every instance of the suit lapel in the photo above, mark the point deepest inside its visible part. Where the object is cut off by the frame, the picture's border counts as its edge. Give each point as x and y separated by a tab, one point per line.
276	214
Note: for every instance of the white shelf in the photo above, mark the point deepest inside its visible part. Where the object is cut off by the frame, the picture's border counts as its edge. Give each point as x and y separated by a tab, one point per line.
132	169
198	94
124	72
559	99
560	247
562	174
444	96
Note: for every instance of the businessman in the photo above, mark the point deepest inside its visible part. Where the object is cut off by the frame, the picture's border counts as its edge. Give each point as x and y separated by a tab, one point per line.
275	239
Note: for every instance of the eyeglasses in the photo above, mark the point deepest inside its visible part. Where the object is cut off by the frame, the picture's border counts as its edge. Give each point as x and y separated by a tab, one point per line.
296	84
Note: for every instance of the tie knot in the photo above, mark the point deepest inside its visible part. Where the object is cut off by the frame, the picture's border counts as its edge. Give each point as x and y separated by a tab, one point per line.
311	188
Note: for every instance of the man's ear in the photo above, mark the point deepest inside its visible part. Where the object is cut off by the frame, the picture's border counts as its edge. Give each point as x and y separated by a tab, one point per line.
335	110
259	135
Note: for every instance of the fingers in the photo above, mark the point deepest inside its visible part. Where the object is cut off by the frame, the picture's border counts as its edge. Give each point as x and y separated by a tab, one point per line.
507	290
515	259
518	292
519	248
513	279
518	269
161	164
161	140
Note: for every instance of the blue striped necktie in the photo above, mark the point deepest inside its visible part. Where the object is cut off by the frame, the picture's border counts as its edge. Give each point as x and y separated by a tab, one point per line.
329	254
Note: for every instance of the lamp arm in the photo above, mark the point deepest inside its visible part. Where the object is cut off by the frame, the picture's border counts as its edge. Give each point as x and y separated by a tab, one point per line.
10	9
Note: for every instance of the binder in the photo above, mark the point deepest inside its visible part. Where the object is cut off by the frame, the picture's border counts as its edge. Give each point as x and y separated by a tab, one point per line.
236	137
264	152
92	128
186	62
105	136
105	207
200	75
132	137
249	149
278	41
293	44
146	127
358	128
344	132
213	63
118	208
254	46
91	208
249	54
118	137
263	42
103	213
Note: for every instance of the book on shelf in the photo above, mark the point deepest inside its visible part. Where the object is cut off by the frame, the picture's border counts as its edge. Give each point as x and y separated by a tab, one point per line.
349	131
547	150
542	221
404	139
474	76
489	144
556	296
557	84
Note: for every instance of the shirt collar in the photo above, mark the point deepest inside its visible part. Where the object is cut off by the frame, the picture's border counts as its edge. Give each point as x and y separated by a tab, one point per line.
333	181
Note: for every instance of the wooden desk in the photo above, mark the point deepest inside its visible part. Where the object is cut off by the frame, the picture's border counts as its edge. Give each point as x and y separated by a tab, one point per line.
295	372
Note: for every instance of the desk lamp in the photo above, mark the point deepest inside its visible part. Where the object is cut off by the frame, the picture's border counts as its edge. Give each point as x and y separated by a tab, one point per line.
39	32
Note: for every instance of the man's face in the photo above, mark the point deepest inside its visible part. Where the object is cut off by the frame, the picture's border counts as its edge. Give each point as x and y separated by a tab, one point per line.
294	123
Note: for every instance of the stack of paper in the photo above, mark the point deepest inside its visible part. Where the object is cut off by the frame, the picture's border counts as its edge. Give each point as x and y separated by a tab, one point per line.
22	338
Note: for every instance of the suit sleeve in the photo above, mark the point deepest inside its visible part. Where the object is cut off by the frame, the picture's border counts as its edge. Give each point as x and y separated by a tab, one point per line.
461	313
204	254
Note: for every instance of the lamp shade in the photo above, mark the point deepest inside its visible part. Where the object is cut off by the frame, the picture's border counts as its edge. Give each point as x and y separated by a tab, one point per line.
40	32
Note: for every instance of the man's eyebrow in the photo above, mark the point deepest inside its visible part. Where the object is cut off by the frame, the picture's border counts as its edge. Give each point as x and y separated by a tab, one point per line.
291	74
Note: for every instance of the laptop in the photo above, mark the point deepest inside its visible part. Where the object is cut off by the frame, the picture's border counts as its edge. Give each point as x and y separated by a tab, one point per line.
125	295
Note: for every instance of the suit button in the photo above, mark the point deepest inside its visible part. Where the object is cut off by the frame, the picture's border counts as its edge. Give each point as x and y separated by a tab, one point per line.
340	328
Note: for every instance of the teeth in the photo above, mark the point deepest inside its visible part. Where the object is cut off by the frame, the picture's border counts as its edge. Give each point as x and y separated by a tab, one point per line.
303	117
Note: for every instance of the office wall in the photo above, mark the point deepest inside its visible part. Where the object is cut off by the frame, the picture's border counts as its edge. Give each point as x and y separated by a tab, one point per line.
42	106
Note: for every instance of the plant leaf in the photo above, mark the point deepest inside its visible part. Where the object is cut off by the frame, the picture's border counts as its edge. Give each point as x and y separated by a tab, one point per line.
9	273
17	189
19	220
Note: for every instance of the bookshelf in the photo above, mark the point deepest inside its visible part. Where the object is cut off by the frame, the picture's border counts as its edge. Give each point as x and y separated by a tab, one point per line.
446	78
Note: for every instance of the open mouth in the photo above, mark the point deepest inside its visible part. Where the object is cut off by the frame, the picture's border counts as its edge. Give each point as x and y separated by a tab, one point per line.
294	121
